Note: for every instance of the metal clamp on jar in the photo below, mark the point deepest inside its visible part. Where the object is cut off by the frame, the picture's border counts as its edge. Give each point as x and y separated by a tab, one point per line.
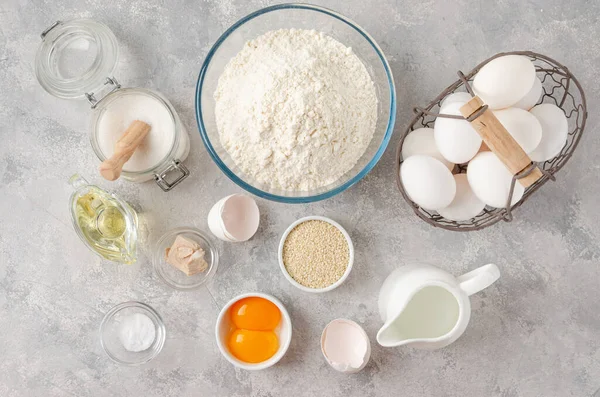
76	60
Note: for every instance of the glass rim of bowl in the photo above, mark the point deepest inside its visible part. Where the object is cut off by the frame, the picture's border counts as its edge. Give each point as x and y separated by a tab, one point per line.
153	314
296	199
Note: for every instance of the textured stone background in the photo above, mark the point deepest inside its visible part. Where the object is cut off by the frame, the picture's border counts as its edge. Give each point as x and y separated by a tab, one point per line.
533	333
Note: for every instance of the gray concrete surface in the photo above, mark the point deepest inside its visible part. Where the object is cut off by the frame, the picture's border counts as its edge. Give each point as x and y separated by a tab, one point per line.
534	333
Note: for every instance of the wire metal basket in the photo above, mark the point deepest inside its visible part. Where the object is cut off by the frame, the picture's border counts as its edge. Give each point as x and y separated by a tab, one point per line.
560	87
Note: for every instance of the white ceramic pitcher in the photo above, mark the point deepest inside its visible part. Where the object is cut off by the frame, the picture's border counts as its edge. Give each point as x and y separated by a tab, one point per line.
426	307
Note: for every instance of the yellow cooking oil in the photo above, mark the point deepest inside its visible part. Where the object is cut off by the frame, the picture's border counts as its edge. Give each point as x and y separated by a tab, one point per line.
106	224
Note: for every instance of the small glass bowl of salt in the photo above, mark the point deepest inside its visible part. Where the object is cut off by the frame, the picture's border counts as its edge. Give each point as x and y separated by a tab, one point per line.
132	333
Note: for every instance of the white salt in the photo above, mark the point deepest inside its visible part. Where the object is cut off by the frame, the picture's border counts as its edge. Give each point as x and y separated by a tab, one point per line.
137	332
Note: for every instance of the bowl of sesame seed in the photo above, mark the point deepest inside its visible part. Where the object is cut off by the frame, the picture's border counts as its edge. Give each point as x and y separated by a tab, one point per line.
316	254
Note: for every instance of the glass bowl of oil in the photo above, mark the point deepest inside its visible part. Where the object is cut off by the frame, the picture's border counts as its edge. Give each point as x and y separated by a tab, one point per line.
174	277
107	225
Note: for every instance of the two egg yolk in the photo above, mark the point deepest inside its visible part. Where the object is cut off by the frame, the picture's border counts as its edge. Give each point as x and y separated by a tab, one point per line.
253	338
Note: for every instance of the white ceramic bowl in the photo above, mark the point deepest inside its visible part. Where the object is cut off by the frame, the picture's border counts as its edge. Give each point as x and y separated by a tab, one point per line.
350	248
283	331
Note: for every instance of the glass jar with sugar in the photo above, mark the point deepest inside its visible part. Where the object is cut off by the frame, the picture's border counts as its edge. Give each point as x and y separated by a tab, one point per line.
76	60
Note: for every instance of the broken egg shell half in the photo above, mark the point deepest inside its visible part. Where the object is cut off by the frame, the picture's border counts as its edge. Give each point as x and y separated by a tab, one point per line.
345	346
234	218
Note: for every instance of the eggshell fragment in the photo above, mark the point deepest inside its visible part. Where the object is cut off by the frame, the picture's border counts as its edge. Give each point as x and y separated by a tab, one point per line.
555	128
465	205
522	125
456	139
427	182
240	216
490	180
457	97
421	141
234	218
215	221
503	81
532	97
345	346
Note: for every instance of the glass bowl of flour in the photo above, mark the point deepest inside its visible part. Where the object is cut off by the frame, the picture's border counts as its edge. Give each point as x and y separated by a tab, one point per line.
295	103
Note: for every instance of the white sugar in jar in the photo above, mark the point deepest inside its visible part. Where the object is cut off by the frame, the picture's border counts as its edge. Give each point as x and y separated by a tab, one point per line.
123	111
76	60
166	143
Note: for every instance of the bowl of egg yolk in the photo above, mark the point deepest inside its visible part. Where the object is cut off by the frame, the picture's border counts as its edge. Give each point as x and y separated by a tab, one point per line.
253	331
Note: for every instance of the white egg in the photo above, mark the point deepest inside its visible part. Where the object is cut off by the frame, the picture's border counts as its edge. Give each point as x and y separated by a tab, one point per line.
427	182
461	97
456	139
465	205
421	141
532	97
490	180
555	128
503	81
522	125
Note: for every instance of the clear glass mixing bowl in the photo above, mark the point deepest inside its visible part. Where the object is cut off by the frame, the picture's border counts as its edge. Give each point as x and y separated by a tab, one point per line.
299	16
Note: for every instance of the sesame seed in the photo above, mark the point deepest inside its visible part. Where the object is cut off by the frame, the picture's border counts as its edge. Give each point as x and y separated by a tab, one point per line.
316	254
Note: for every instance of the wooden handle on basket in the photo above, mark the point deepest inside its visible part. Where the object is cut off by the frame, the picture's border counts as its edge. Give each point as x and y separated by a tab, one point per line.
500	142
111	168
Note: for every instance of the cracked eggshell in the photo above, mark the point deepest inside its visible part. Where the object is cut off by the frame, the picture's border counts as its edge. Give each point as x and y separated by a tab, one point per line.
234	218
427	182
215	222
555	128
421	141
532	97
522	125
504	81
456	139
466	204
345	345
490	180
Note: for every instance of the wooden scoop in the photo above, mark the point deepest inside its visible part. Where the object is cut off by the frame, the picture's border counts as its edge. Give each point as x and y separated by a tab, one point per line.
111	168
500	142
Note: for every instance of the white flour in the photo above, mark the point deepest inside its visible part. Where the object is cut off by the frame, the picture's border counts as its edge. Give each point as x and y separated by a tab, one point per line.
295	109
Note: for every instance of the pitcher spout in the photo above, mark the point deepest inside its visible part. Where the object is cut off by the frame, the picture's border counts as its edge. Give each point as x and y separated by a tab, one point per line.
388	336
429	319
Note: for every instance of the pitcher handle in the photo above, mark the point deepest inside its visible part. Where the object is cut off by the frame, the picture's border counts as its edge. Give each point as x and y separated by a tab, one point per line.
479	279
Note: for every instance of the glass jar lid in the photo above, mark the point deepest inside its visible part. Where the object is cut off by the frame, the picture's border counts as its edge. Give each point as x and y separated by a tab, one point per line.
76	58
